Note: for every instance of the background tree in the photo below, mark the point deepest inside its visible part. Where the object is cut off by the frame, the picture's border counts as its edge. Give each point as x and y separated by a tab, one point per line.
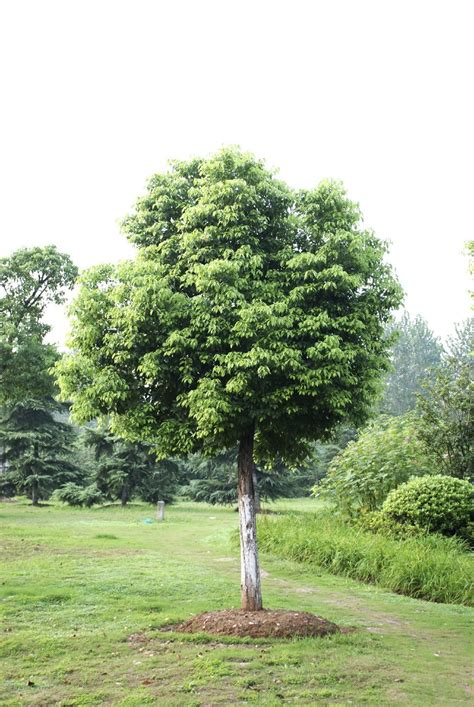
30	279
461	346
37	450
252	316
127	469
446	409
214	480
414	356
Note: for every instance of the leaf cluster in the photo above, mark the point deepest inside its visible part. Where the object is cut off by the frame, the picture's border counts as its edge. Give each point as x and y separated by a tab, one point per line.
387	453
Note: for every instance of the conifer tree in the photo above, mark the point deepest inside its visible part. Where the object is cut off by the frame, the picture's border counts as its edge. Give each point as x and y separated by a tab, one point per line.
38	449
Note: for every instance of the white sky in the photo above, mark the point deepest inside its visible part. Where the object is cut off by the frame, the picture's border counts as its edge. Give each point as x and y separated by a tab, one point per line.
96	96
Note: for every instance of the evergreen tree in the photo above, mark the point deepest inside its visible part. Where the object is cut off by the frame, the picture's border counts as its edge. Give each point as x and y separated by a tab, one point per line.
214	480
128	469
38	449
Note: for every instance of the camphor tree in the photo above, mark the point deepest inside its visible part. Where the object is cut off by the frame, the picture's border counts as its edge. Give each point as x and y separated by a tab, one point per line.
253	315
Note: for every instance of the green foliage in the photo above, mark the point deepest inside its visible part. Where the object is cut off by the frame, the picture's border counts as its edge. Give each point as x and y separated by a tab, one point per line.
247	303
414	355
30	279
127	469
80	496
441	504
387	453
446	417
378	522
427	567
214	480
37	448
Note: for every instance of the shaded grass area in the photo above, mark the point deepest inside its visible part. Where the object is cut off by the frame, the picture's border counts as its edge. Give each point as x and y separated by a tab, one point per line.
427	567
76	584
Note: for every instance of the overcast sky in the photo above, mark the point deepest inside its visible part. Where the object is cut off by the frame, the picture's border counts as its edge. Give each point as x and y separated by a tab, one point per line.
97	96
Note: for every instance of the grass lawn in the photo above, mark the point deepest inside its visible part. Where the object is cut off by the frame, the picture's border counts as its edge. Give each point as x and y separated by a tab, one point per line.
75	584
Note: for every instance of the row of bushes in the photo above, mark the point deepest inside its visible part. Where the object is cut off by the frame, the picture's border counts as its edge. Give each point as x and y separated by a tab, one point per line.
422	566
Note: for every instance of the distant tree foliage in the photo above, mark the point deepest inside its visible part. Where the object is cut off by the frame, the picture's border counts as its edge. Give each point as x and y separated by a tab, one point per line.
38	450
30	279
460	346
129	469
214	480
447	409
415	355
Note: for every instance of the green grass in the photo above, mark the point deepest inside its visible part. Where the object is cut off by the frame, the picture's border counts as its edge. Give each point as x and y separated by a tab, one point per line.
76	583
424	567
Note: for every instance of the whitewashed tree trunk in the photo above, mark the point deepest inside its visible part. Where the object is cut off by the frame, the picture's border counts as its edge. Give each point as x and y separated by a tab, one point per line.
251	592
256	494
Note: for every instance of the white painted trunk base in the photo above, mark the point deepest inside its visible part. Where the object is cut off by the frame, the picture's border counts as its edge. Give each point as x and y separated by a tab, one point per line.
249	567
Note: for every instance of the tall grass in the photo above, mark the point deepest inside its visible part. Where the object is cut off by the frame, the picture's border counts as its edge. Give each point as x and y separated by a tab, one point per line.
425	567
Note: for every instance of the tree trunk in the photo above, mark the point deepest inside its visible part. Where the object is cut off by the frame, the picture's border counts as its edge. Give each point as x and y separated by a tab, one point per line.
124	496
34	493
251	594
256	494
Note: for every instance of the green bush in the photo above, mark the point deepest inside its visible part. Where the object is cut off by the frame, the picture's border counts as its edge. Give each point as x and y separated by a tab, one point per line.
441	504
75	495
377	522
386	454
423	566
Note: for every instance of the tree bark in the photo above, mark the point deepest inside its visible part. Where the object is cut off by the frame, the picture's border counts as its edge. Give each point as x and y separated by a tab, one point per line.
34	494
251	593
256	494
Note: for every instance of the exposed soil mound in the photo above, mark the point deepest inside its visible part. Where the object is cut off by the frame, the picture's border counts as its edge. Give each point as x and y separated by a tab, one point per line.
259	624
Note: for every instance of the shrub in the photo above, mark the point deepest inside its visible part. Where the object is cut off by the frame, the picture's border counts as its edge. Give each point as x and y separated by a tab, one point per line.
386	454
440	504
377	522
75	495
424	566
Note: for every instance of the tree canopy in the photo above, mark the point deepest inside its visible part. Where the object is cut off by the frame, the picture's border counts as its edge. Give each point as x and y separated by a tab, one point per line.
414	355
447	407
30	279
247	303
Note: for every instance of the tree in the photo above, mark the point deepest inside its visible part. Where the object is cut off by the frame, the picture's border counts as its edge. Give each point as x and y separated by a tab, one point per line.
124	469
414	356
30	279
253	315
37	449
446	409
461	346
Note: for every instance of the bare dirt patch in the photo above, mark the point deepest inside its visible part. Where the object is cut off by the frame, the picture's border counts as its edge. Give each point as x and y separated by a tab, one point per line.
259	624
